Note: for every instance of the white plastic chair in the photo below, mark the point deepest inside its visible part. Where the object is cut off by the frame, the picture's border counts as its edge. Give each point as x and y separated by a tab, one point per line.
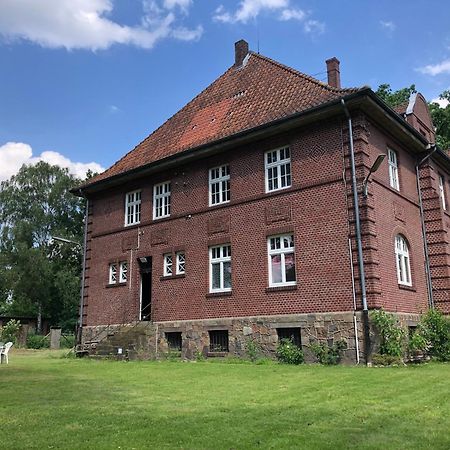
4	352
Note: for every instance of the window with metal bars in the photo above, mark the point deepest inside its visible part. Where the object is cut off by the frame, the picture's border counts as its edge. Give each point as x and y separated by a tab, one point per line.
293	334
174	340
218	341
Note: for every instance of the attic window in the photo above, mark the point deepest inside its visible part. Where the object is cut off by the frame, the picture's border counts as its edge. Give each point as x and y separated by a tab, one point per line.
239	94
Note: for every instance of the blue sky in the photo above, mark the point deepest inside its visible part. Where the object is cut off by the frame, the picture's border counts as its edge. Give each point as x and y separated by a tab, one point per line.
84	81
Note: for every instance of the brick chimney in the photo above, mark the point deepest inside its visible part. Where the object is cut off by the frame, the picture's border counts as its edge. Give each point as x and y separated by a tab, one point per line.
333	72
240	52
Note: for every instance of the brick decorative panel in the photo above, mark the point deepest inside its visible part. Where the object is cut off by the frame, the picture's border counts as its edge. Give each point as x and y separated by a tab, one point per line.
399	212
129	243
278	213
219	224
160	236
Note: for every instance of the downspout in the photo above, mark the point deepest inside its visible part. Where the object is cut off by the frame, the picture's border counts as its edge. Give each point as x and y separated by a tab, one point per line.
362	276
83	273
424	232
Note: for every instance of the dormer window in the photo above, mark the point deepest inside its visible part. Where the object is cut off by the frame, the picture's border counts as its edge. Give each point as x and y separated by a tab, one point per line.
132	208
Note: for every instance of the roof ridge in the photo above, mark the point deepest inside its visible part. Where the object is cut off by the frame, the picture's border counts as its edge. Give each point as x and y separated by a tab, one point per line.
303	75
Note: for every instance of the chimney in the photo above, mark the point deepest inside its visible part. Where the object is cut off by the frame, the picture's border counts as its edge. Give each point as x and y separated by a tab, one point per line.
240	52
333	72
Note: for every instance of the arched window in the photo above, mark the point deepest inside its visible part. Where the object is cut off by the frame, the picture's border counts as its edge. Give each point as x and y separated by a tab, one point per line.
402	260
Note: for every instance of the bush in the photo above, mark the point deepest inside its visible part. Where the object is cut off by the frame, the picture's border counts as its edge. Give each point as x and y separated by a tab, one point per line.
329	355
253	350
67	341
391	333
386	360
435	328
37	341
289	353
418	342
10	331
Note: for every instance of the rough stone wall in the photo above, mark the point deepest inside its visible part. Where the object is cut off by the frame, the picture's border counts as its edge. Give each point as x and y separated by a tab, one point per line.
146	340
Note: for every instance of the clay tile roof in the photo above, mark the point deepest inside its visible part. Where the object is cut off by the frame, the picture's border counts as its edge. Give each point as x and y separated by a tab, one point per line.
258	92
401	109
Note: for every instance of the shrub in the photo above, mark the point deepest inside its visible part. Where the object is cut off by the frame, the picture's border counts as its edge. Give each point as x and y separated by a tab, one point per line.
386	360
417	341
435	328
289	353
391	333
10	331
329	354
37	341
67	341
253	349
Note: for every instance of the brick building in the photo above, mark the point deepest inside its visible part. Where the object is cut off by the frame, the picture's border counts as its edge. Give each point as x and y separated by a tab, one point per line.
236	219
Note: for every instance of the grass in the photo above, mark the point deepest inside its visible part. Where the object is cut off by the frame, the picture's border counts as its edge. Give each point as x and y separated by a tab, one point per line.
50	402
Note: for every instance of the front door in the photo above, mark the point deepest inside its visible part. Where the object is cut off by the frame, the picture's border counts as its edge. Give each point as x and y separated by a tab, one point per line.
145	265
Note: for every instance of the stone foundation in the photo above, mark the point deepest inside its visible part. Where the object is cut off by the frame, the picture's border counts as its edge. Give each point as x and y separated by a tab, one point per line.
146	340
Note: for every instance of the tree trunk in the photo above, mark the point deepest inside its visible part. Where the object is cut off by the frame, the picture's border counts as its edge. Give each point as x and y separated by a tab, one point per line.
39	320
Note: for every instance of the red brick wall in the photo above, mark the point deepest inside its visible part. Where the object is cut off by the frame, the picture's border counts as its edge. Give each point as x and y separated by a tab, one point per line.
314	209
396	212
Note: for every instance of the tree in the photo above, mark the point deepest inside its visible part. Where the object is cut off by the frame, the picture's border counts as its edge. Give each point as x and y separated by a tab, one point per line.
37	275
440	115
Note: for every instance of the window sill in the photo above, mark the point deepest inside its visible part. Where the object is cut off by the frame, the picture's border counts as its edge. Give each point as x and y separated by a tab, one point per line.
115	285
281	288
172	277
406	287
219	294
273	191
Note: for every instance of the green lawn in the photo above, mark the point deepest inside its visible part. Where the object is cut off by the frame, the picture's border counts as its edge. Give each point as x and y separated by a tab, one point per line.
50	402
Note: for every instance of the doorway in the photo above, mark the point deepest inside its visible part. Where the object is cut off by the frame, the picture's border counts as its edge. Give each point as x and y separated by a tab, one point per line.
145	265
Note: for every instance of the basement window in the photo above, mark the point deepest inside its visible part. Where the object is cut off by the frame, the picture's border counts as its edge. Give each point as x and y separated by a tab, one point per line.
293	334
218	341
174	340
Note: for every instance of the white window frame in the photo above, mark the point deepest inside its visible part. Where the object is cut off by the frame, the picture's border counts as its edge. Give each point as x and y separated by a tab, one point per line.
402	261
133	216
123	272
219	260
442	192
113	273
282	251
218	183
394	181
165	197
180	263
168	264
279	165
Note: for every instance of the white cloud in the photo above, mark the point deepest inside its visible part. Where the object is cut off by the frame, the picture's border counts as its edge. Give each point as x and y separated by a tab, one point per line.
297	14
113	109
13	155
86	24
388	25
436	69
314	26
250	9
442	102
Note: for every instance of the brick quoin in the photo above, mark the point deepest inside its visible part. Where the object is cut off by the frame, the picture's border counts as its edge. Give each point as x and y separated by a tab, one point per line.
317	209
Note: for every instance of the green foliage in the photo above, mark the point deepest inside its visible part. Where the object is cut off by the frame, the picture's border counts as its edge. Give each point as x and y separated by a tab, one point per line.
199	356
68	341
329	354
252	349
441	120
37	341
435	329
417	341
386	360
10	331
439	115
391	333
40	277
289	353
394	98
